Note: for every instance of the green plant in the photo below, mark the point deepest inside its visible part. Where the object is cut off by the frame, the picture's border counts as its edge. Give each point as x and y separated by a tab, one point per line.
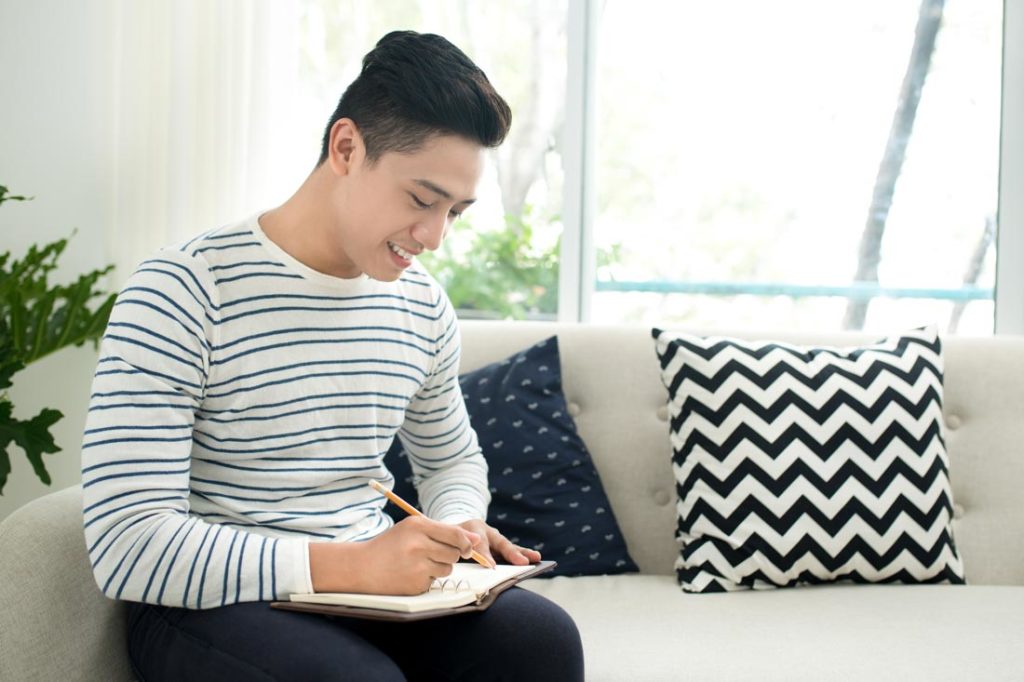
504	273
37	319
499	272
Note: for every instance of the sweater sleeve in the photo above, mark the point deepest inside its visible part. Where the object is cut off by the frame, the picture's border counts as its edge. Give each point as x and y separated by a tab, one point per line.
143	542
449	469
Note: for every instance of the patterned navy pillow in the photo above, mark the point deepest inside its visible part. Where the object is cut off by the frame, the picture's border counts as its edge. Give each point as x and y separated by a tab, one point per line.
545	491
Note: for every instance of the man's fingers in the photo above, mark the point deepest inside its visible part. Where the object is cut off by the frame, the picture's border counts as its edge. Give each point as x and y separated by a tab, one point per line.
468	541
454	536
514	554
442	552
449	543
441	569
531	554
484	549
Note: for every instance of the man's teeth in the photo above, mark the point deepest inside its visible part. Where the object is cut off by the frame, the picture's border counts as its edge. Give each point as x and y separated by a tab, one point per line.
400	251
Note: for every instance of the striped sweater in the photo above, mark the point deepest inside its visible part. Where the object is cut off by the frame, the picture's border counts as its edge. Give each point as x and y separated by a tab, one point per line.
240	405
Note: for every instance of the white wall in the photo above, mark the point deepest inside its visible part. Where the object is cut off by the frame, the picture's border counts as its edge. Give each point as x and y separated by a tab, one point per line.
109	113
55	134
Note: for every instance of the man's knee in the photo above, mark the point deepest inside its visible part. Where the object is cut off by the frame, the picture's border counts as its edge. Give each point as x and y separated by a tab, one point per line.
536	639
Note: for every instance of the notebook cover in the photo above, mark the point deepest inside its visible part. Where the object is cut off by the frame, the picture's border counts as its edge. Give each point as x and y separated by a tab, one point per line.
401	616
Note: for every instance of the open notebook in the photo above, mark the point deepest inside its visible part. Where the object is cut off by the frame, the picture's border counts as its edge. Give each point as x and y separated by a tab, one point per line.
470	587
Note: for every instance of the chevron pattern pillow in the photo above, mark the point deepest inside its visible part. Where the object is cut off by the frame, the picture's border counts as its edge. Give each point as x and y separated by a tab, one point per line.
798	465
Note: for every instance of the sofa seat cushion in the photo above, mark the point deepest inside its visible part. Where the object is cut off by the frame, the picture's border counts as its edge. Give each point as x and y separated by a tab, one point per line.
641	627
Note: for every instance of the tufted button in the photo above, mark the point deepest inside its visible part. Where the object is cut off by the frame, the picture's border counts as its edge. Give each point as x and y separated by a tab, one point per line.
662	413
958	510
953	422
661	498
574	409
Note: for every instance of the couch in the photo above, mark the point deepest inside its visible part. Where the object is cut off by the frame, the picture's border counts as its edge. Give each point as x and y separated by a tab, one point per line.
55	624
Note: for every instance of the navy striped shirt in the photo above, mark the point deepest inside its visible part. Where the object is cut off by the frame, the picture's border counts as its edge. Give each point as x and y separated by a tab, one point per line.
240	405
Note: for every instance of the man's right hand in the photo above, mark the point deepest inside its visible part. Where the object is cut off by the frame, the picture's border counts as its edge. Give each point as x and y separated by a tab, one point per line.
404	559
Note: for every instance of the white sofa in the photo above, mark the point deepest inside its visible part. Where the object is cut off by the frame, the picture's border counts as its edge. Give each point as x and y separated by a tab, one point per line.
55	625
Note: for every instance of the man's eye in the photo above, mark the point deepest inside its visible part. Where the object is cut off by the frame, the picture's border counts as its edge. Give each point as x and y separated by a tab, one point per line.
419	202
454	215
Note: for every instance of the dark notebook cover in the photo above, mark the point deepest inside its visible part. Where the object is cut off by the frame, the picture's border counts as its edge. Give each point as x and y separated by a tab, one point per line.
402	616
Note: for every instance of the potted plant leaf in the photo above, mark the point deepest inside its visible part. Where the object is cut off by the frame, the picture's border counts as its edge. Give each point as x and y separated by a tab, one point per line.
37	319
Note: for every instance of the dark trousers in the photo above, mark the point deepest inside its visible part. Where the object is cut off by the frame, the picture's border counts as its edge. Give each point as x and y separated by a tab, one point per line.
522	636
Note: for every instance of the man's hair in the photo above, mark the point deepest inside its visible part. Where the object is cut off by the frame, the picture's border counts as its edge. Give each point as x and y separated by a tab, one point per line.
413	86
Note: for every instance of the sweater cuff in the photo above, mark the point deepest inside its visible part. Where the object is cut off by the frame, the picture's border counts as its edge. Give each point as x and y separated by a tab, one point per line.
295	563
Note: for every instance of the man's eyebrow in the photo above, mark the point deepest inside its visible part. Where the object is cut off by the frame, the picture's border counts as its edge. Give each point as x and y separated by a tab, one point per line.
440	191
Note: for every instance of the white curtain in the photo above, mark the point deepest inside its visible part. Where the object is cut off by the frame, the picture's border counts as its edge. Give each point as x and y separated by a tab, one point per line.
202	131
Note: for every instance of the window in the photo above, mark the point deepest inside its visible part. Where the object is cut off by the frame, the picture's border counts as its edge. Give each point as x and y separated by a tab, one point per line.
755	158
738	164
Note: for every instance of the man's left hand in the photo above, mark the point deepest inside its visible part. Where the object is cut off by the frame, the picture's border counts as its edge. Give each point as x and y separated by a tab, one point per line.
493	545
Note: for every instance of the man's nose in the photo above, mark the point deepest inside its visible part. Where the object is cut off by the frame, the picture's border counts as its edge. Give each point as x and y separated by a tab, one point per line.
430	231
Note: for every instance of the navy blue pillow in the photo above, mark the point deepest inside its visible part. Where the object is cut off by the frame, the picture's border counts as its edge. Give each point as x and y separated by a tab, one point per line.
545	491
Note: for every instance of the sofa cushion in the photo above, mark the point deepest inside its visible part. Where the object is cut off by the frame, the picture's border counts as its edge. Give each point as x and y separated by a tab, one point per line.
639	627
55	623
798	465
545	492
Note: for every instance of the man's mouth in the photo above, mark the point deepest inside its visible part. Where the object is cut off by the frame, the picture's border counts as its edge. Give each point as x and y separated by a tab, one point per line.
400	251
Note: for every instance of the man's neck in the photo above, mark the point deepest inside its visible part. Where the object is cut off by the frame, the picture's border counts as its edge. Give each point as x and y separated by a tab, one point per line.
304	226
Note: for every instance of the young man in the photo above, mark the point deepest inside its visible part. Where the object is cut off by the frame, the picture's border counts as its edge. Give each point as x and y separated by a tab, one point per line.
249	384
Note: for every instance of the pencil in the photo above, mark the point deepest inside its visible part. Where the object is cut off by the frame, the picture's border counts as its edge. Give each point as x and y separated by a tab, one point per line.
409	509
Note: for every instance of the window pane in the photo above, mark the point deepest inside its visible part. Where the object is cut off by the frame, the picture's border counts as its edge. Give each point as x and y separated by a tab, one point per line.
741	144
501	258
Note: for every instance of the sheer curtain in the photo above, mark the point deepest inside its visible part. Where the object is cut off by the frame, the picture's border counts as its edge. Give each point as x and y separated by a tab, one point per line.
202	93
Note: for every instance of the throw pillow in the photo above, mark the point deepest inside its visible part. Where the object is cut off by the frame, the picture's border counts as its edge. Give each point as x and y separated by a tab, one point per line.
799	465
545	492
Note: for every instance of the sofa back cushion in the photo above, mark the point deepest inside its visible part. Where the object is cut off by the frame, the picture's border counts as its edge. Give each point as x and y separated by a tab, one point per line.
612	385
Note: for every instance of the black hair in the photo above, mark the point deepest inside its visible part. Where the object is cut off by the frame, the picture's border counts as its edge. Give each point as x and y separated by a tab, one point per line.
416	85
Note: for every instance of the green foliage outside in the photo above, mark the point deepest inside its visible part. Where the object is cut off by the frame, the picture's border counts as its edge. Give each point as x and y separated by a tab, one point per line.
498	273
37	319
504	274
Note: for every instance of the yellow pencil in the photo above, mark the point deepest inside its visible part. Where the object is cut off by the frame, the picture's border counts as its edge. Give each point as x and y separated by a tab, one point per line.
409	509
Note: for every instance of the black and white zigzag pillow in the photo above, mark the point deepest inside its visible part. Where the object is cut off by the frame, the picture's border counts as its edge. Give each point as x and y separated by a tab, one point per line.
799	465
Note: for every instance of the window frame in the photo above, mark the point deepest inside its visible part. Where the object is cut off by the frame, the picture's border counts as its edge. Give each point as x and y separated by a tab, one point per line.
1009	295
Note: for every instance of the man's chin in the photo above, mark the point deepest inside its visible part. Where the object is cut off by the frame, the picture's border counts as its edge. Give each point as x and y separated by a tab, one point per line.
385	276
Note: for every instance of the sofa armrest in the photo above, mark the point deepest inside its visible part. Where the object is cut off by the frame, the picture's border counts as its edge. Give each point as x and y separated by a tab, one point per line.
55	624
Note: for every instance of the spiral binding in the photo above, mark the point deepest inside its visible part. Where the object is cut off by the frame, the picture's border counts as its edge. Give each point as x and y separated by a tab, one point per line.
449	585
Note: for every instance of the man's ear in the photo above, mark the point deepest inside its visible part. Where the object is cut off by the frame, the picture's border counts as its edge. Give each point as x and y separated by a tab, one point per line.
346	146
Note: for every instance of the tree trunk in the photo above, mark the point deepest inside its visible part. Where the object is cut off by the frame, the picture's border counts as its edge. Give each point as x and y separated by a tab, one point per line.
928	21
974	269
521	159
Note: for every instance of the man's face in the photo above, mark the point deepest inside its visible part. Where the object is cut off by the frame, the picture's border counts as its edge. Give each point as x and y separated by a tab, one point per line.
405	203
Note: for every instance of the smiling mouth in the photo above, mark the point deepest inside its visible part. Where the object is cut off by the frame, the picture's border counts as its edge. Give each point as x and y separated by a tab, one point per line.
400	251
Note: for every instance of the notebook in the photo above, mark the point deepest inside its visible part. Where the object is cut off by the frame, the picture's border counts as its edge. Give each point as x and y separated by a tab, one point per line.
470	587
